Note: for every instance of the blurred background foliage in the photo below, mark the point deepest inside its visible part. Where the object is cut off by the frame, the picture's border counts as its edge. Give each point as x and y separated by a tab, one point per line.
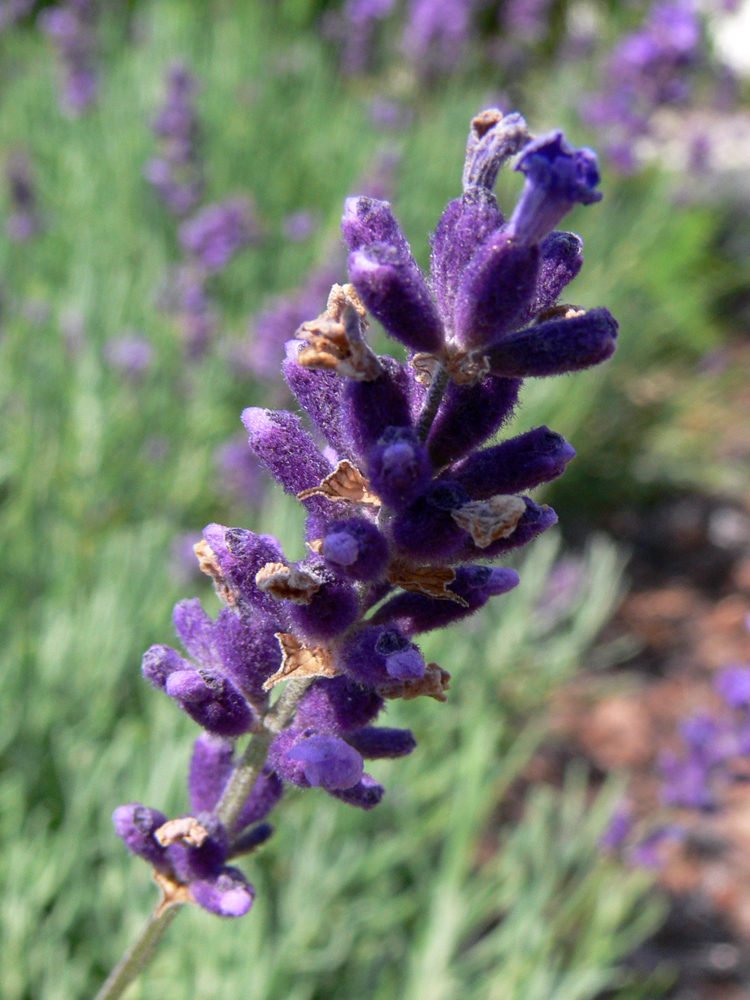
107	475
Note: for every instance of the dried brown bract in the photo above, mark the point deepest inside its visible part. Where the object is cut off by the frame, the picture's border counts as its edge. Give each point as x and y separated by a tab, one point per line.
209	564
299	661
432	581
288	583
346	482
488	520
434	684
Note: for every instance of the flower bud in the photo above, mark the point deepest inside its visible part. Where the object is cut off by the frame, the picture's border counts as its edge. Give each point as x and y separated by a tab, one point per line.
398	467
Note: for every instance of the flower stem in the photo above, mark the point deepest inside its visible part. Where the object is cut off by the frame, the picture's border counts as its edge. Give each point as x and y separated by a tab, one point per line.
140	953
240	785
253	759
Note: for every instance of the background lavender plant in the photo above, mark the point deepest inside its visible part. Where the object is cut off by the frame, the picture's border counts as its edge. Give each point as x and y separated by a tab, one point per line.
101	473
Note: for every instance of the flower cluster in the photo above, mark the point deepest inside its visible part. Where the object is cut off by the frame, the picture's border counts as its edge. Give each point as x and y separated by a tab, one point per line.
211	237
71	26
177	173
647	70
693	780
405	507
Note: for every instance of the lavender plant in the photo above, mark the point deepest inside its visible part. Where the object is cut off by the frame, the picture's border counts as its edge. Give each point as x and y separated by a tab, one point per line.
72	28
402	504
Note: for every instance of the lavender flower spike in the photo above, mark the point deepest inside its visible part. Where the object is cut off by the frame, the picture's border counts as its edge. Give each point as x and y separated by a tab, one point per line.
406	509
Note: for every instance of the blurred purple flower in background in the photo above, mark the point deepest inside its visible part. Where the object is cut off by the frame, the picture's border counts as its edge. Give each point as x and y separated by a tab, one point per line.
356	28
217	231
177	173
14	10
300	226
240	473
71	27
648	69
526	20
436	33
23	220
262	353
132	355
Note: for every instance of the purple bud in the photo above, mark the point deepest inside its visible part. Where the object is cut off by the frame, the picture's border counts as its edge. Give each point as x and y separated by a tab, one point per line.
468	415
426	530
364	795
370	408
264	796
279	440
240	554
191	863
494	138
228	894
536	520
416	613
159	662
319	394
195	630
337	705
560	261
394	290
556	346
136	825
211	700
557	178
398	467
328	761
356	548
367	221
376	742
405	664
330	612
374	656
520	463
282	443
210	767
733	684
464	226
251	839
496	290
248	650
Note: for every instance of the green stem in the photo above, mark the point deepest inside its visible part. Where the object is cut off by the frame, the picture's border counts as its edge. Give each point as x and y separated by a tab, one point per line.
251	764
140	953
241	784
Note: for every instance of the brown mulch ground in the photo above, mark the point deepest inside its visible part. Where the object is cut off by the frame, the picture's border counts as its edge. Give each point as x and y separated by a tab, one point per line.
687	610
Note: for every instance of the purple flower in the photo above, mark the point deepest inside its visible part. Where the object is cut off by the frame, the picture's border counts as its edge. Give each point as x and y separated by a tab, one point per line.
23	220
733	684
327	761
14	10
436	33
71	27
404	506
133	356
215	234
300	226
177	174
240	472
